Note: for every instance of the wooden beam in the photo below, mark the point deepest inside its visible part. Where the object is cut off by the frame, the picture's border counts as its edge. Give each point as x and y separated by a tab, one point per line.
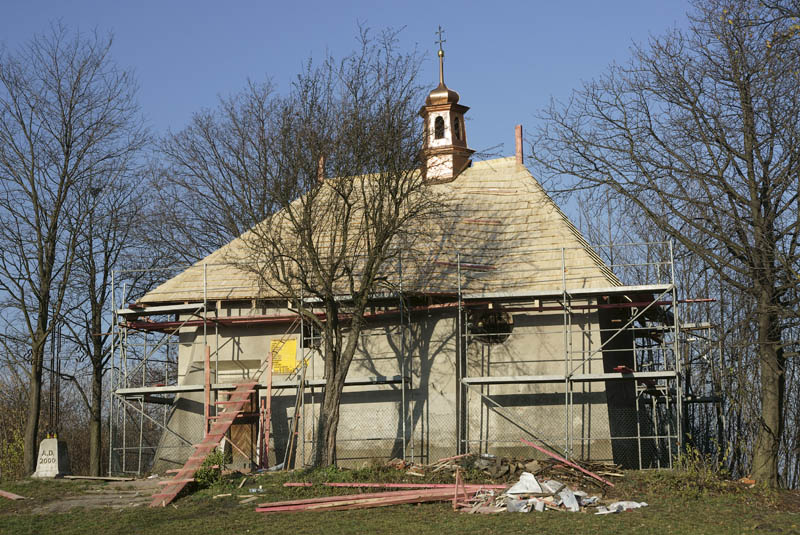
165	309
359	501
577	377
182	389
568	463
398	485
101	478
11	495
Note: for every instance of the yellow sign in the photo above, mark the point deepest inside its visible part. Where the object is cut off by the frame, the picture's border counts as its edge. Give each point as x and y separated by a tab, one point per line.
284	355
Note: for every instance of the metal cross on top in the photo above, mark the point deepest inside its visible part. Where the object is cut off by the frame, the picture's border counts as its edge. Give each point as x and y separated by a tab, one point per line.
440	31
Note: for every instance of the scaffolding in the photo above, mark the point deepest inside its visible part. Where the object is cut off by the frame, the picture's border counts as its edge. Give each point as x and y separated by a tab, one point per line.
144	377
643	329
645	355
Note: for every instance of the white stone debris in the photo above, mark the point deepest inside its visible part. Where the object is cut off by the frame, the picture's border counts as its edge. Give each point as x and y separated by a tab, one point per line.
527	484
618	507
528	494
569	500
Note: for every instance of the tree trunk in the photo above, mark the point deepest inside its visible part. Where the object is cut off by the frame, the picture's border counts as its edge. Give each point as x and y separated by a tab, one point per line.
337	364
31	444
325	454
96	408
95	421
765	452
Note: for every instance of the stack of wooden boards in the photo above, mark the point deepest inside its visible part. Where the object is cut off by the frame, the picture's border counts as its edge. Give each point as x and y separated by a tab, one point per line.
359	501
405	493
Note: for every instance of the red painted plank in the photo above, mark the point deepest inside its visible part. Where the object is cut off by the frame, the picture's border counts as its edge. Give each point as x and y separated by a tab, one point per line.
11	495
399	485
385	503
361	502
322	499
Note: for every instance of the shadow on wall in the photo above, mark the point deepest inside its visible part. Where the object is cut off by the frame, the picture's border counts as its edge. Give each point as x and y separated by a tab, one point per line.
184	427
421	349
621	395
624	418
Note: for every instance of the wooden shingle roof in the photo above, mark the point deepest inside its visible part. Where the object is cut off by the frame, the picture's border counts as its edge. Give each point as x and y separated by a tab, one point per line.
502	229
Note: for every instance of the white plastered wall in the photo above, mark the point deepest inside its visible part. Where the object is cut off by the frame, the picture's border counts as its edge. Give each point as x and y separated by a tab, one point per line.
536	346
371	415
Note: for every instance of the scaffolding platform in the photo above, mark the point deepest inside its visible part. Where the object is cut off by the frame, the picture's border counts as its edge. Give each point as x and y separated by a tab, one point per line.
577	378
572	292
309	383
164	309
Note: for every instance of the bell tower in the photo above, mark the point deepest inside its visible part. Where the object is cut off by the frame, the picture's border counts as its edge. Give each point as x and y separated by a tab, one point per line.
445	151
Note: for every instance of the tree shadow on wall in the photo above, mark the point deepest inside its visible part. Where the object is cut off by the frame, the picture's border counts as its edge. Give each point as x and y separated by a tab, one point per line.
420	350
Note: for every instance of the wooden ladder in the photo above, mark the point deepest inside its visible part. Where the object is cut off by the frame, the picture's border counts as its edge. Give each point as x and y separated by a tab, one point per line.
232	407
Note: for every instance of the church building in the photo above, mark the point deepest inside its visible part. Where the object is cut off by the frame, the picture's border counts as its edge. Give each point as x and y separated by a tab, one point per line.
525	332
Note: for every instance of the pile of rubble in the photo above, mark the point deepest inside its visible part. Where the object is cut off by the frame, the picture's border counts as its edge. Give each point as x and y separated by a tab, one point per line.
529	494
508	470
535	484
496	485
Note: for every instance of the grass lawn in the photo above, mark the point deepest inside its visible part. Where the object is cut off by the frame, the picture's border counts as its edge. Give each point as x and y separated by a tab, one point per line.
679	503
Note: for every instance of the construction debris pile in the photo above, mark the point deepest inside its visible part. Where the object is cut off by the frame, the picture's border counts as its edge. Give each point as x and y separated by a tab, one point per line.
508	470
530	485
529	494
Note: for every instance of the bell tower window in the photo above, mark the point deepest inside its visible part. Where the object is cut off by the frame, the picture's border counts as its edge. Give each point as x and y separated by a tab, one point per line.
457	128
438	127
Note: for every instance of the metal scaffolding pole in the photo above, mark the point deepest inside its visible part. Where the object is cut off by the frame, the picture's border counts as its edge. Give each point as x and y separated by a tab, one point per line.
125	375
567	362
459	371
112	329
677	355
403	411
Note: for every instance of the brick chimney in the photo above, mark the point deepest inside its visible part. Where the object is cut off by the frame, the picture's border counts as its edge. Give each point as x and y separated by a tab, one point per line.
321	169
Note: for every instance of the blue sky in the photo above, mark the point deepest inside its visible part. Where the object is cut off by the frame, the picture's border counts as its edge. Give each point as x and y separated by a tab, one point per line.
506	59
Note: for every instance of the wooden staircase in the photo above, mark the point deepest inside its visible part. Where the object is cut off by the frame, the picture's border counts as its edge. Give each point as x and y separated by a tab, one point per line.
232	407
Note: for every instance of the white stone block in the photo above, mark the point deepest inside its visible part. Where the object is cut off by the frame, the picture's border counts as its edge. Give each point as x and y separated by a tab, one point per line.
53	460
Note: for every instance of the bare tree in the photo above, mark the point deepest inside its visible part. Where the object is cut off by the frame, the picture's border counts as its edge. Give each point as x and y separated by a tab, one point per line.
111	237
785	9
67	116
324	244
700	132
221	159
